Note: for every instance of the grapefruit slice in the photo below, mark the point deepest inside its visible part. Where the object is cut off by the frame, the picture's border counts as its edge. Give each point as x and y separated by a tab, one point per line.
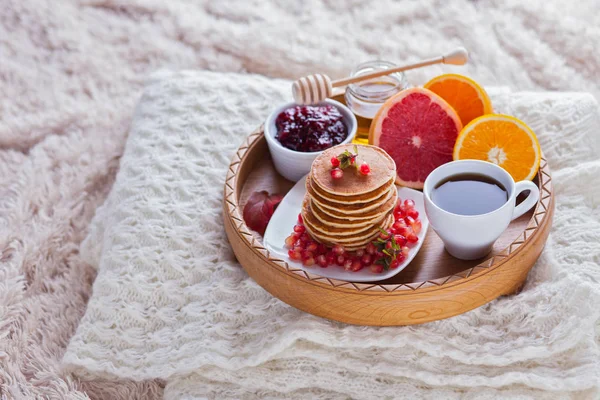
418	129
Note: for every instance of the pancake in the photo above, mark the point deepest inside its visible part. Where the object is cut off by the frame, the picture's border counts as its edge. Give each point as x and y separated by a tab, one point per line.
345	222
382	166
319	227
352	217
352	209
361	198
354	243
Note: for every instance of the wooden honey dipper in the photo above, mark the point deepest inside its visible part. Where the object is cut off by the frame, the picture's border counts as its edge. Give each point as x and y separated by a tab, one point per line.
315	88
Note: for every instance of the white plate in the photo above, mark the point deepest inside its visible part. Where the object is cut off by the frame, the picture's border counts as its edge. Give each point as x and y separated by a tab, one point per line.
285	217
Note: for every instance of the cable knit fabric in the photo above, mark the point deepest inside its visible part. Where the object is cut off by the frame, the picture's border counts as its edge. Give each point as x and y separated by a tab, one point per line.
171	302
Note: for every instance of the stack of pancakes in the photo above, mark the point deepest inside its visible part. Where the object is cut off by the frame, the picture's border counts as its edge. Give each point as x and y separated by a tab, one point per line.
350	211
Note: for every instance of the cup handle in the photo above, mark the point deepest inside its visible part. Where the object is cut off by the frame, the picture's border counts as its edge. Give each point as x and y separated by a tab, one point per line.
530	201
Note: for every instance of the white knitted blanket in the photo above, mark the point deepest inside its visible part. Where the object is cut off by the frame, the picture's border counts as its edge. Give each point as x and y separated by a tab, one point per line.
170	301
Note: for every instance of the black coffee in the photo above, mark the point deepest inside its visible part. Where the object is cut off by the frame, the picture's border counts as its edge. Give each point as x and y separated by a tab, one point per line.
469	194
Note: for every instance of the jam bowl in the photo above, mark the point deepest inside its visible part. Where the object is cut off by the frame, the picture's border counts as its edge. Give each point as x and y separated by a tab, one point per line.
293	156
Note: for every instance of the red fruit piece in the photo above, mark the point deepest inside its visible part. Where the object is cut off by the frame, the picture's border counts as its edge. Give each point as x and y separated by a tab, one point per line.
377	268
338	250
348	265
294	255
395	263
371	249
289	241
366	260
312	247
356	266
259	209
308	262
412	213
401	240
337	173
322	261
300	220
412	238
416	226
335	162
299	228
409	203
365	169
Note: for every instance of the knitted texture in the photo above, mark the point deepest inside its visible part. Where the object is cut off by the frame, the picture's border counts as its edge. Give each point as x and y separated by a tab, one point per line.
170	301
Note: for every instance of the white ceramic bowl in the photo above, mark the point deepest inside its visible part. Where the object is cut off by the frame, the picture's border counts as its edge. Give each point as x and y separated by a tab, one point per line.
291	164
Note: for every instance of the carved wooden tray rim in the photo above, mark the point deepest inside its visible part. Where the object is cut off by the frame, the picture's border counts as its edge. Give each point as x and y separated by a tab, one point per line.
232	214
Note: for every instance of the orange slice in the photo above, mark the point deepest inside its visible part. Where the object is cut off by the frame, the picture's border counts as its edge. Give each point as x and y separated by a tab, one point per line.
502	140
465	95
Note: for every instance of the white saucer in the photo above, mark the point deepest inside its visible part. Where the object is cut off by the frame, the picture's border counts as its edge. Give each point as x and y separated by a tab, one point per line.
286	215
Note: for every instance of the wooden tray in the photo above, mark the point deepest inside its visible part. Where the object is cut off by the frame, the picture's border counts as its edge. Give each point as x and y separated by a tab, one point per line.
434	286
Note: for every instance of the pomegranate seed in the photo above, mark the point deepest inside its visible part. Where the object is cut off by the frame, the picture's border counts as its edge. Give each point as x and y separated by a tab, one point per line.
409	220
337	173
412	238
356	265
408	203
414	214
405	251
401	240
389	246
371	249
400	257
394	263
307	254
305	238
330	257
404	231
338	249
322	261
416	226
294	255
299	228
312	246
398	215
308	262
384	235
366	260
365	169
348	265
300	220
335	162
377	268
399	224
289	241
340	260
322	249
359	252
298	248
353	160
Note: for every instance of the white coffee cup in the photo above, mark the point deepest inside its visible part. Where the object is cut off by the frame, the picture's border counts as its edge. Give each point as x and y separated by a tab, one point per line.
469	237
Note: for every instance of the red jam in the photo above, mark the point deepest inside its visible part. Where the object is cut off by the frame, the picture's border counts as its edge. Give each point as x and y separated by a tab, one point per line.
310	128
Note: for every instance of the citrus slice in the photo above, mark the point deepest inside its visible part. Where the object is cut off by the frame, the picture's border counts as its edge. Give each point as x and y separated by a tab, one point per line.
466	96
418	129
502	140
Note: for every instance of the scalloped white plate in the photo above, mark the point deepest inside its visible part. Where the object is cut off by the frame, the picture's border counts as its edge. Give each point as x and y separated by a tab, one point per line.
285	217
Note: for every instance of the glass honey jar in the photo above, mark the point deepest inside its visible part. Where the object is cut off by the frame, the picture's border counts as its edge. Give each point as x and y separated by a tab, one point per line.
365	98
